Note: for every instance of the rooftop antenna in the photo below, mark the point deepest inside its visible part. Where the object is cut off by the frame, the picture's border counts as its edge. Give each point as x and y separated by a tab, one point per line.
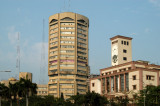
18	56
42	64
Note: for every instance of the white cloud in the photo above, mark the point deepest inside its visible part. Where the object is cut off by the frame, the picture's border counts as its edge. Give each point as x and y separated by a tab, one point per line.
30	55
12	35
31	60
155	2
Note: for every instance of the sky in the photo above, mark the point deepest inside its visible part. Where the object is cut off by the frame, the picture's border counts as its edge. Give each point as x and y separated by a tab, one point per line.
139	19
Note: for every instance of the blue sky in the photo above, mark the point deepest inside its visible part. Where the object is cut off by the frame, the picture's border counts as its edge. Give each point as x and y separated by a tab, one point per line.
139	19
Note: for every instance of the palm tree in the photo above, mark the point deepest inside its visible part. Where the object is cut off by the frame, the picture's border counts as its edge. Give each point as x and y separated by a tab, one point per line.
28	87
12	92
3	92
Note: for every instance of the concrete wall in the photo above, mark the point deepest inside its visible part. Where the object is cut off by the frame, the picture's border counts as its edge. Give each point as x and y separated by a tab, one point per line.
97	86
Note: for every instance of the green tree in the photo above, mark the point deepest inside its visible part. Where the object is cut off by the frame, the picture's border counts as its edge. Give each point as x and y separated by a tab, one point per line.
150	96
3	92
94	99
89	99
12	93
77	99
28	87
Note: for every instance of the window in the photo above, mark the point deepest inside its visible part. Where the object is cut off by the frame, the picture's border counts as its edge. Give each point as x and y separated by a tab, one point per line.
134	87
53	43
81	71
71	42
81	30
53	47
62	23
53	66
67	46
66	56
83	67
52	34
67	37
122	82
81	35
122	42
52	57
81	57
66	70
134	77
66	79
124	51
53	38
81	48
129	68
66	65
127	43
81	52
53	25
127	81
125	58
55	29
81	39
92	84
80	25
66	60
81	44
149	77
67	27
67	32
67	51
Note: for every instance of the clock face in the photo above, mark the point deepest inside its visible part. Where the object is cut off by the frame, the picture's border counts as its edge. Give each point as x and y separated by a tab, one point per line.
114	50
115	58
114	53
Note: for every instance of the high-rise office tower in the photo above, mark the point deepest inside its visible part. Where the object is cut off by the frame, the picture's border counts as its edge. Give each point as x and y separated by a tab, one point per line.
68	54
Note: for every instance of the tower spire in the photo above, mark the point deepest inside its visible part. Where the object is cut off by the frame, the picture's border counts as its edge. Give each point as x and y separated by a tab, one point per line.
18	56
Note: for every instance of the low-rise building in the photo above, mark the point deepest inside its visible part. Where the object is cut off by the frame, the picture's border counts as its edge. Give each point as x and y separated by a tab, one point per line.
25	75
10	80
42	90
124	78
